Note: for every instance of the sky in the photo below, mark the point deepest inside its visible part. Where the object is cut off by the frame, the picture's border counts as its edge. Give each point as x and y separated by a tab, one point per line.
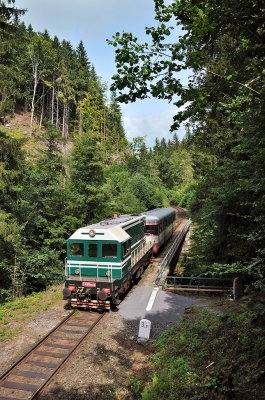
94	21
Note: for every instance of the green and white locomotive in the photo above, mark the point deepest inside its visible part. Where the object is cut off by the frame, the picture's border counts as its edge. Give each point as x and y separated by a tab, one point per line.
103	258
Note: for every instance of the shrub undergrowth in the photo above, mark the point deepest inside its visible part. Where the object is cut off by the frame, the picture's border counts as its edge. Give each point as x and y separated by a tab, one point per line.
210	356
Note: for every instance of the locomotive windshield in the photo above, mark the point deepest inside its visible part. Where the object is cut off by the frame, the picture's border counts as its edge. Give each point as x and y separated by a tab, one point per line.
92	250
76	249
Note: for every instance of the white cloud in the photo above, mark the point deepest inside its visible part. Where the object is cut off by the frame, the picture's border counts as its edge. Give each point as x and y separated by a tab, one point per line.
152	120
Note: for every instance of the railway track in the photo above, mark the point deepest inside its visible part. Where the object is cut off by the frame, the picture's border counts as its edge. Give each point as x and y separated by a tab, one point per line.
34	370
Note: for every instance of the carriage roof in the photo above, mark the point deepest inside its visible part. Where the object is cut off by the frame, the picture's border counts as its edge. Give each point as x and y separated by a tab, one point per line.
158	214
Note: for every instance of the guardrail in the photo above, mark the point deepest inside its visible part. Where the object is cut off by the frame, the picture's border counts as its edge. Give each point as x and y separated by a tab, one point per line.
197	283
171	254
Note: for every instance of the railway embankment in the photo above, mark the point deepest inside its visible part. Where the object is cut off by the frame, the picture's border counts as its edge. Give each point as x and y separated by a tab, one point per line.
216	352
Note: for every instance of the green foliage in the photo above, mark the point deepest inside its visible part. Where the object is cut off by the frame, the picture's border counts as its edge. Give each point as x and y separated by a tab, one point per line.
8	11
136	386
12	170
216	171
92	108
86	171
115	134
144	191
6	294
183	196
50	193
15	312
209	37
134	186
44	193
42	268
207	356
224	110
55	81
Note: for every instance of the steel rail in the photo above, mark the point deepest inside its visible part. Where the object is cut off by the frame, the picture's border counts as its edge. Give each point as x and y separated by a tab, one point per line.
80	326
35	346
38	392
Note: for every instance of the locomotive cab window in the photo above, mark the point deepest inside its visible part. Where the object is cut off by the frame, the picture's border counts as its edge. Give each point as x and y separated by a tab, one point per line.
76	249
126	248
109	250
92	250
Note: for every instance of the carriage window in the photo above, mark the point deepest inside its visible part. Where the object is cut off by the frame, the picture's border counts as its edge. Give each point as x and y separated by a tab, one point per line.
92	250
77	249
153	229
109	250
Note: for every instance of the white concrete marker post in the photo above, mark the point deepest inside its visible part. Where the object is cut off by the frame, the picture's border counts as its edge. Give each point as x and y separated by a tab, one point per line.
145	324
144	329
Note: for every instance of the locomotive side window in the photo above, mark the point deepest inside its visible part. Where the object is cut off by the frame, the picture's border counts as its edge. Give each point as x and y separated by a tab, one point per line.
76	249
109	250
92	250
126	249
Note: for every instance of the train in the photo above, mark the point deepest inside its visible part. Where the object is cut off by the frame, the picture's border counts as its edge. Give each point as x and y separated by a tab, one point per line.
160	223
104	258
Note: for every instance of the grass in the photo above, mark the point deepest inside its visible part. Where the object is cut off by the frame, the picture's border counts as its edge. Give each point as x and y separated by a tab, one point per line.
211	356
13	314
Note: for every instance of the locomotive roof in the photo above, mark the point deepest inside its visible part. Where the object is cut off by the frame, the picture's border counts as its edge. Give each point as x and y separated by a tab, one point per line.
109	229
158	214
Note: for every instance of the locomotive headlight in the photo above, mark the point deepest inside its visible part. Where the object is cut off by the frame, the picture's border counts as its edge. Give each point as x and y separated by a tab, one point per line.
91	233
77	271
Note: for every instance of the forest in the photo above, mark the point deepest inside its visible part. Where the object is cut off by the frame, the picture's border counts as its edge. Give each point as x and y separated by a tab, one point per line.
71	164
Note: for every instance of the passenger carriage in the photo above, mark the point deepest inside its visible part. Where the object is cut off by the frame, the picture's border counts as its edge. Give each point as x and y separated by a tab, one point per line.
160	223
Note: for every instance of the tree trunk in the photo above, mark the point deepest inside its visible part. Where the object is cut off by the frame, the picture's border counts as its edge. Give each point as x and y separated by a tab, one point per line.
36	79
42	103
80	119
66	131
64	112
53	96
57	111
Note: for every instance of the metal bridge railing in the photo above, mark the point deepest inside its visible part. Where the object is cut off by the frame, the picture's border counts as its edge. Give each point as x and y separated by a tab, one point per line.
197	283
172	252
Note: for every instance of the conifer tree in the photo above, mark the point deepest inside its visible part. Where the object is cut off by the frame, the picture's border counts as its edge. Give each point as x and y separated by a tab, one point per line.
9	77
86	178
82	78
115	134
